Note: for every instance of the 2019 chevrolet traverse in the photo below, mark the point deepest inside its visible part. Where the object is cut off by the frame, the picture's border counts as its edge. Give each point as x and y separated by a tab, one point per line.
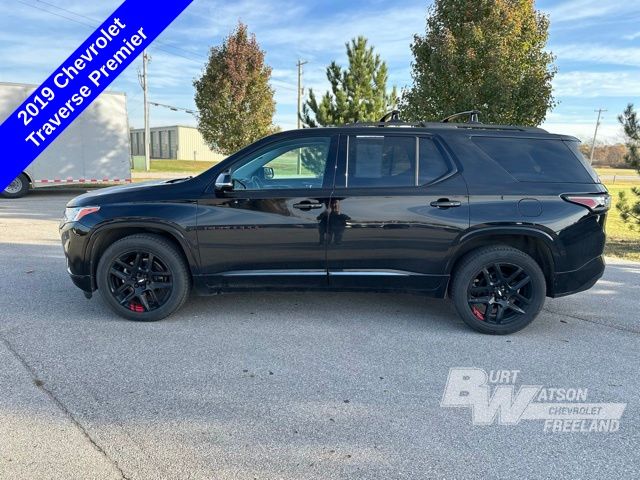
494	217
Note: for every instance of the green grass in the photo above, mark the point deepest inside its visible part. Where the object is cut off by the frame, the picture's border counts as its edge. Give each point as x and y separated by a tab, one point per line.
616	171
622	242
179	166
607	173
286	165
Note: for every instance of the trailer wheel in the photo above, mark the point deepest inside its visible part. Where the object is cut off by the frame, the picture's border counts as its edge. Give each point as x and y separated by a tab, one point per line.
18	188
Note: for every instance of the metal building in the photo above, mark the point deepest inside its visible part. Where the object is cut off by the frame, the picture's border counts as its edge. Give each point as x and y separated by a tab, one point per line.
178	142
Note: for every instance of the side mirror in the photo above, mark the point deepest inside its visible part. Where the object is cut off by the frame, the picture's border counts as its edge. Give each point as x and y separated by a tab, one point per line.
224	182
268	173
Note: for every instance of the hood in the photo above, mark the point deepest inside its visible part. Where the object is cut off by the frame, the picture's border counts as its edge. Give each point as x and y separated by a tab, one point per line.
125	193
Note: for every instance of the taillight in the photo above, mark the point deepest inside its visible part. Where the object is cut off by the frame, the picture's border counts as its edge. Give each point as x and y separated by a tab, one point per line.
595	203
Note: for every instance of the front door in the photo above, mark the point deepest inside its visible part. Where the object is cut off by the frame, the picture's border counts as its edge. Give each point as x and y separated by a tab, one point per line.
398	206
268	230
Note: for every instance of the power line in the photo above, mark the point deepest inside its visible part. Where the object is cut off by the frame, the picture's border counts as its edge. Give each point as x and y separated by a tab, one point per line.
200	59
175	109
94	20
56	14
94	26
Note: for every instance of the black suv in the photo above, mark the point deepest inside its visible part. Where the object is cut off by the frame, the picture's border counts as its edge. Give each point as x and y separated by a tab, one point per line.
495	217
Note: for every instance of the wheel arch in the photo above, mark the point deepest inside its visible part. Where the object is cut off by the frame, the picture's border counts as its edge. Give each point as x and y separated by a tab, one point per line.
538	244
106	235
28	175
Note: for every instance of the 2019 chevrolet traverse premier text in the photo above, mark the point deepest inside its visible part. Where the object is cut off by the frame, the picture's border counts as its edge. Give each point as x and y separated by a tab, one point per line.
495	217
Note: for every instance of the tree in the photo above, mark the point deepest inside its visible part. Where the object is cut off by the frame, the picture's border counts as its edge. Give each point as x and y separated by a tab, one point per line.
233	95
630	209
358	94
605	155
487	55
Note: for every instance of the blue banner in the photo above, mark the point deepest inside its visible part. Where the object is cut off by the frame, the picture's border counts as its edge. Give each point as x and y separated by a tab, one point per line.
80	79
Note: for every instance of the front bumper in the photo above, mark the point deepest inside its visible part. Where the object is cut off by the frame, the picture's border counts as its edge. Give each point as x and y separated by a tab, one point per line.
567	283
74	238
83	282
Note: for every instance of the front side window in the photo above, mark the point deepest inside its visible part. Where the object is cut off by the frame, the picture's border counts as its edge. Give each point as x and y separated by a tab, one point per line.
290	164
381	161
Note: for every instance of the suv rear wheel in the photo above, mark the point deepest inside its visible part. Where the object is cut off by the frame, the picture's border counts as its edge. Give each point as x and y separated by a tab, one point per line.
143	277
498	290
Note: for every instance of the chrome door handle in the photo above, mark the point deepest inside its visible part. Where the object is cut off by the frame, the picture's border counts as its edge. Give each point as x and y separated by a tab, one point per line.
445	203
307	205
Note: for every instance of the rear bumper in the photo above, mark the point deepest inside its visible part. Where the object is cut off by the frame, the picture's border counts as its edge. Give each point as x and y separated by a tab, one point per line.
567	283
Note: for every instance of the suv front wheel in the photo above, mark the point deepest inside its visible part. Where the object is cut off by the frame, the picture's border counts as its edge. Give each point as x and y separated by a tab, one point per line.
498	290
143	277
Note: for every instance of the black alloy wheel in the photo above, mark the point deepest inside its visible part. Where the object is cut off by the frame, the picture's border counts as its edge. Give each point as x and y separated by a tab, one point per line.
140	281
498	290
143	277
499	293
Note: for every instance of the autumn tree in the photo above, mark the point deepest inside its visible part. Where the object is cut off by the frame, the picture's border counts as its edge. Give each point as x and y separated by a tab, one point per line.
233	95
358	93
487	55
630	208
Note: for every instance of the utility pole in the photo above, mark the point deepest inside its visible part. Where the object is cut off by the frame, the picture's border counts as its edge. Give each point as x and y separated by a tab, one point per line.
595	134
300	93
142	78
300	90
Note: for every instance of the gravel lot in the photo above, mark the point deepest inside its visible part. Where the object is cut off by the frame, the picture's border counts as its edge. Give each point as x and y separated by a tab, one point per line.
303	386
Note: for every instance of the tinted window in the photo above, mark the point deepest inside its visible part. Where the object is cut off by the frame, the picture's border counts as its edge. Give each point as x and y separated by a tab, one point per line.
575	149
381	161
298	163
432	165
533	160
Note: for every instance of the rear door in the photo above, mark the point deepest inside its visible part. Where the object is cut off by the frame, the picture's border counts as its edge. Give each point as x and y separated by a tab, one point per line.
398	206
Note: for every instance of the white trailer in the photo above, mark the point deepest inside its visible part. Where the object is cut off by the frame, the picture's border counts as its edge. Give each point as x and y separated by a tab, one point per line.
93	149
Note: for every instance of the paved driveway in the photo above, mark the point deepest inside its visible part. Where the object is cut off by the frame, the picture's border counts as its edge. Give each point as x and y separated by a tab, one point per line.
294	386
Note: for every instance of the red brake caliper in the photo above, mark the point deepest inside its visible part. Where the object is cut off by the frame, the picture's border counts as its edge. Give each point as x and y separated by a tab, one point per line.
136	307
477	313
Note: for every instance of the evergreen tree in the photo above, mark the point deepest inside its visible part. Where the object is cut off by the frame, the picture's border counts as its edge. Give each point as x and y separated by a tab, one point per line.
630	209
358	94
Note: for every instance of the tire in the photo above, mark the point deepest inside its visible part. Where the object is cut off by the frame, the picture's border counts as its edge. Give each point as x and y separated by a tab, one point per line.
18	188
134	291
498	279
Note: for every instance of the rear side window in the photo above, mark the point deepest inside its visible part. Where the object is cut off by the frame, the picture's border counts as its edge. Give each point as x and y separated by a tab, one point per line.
535	160
432	165
381	161
575	149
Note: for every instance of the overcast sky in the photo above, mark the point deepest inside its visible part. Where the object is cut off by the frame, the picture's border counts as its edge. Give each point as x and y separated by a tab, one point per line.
597	43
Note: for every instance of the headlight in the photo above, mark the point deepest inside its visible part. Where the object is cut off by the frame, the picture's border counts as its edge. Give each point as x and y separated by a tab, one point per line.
73	214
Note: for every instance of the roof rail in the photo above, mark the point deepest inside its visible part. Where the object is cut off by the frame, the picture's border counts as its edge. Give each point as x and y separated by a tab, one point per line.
392	119
392	116
472	116
397	123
